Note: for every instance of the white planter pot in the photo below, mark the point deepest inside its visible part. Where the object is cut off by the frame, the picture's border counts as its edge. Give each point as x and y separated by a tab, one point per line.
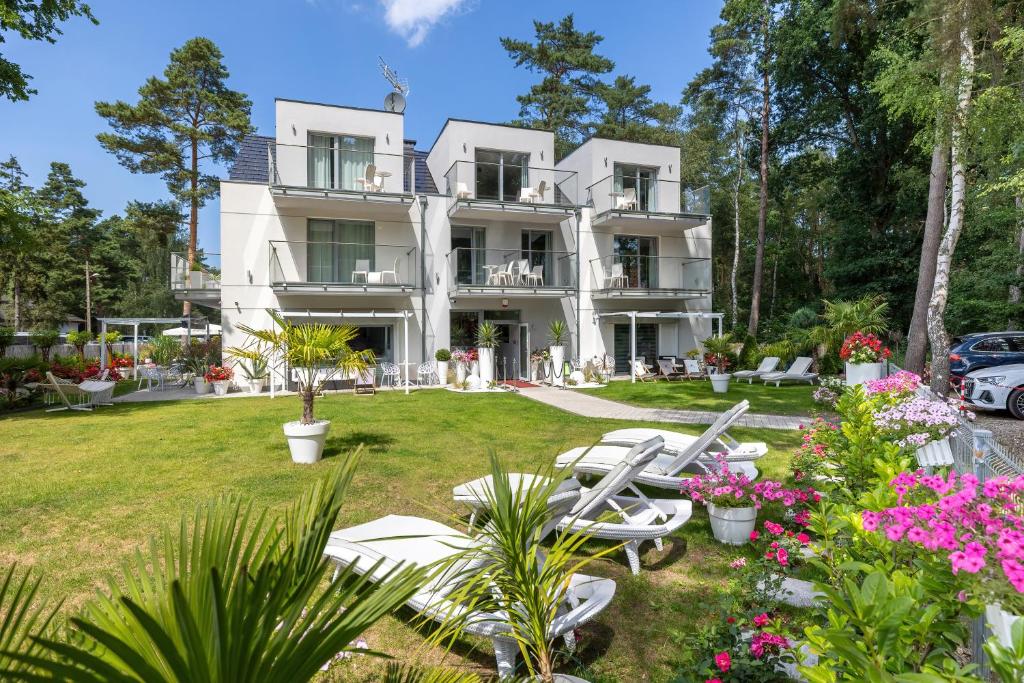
534	372
306	442
935	454
861	373
557	366
442	372
486	365
720	382
1001	621
202	386
474	368
460	373
732	525
256	385
221	387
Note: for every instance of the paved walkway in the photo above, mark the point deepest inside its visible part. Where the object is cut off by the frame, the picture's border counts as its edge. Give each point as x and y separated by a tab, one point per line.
593	406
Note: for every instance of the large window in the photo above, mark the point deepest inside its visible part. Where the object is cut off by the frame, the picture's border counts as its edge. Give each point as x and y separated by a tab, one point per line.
338	162
376	338
337	249
536	249
638	182
639	259
501	175
646	345
470	247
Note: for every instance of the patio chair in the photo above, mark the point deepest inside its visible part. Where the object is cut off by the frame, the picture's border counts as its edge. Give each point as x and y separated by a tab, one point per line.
393	274
149	375
362	269
627	201
426	373
768	364
363	383
617	277
642	373
378	547
389	375
370	181
462	191
799	371
85	395
522	270
639	518
664	472
507	275
692	369
668	370
532	195
535	276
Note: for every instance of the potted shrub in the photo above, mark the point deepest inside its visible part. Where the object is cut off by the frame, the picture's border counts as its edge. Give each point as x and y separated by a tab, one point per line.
557	333
486	342
317	353
197	367
253	365
912	422
717	352
864	356
461	359
195	276
442	356
220	377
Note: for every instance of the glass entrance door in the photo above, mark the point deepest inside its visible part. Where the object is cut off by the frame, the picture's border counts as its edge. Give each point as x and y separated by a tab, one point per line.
524	351
500	175
646	345
469	245
639	259
536	249
639	180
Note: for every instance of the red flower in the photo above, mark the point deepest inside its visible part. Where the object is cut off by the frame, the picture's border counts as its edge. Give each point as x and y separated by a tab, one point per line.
803	538
754	535
730	620
761	619
713	680
723	661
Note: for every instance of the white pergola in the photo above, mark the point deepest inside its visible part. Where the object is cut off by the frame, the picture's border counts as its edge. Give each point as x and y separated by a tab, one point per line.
185	321
656	316
357	316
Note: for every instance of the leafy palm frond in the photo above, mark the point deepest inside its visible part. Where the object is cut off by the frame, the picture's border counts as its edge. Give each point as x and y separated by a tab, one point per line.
234	597
22	620
407	674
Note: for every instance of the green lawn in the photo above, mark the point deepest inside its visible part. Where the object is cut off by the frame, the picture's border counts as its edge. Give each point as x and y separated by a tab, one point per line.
788	399
81	492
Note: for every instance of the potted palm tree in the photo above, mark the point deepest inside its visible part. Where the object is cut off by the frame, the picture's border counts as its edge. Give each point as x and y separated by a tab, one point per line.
717	350
557	332
486	342
317	353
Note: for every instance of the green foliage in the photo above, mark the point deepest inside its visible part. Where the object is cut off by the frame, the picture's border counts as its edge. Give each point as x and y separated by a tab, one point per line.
487	335
6	337
443	355
164	350
24	619
1006	661
748	357
79	339
44	340
113	337
720	348
557	332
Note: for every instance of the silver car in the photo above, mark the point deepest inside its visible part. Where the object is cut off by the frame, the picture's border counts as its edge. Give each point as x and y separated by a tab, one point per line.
998	388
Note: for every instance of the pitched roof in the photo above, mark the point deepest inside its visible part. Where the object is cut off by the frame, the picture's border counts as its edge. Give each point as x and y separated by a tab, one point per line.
250	163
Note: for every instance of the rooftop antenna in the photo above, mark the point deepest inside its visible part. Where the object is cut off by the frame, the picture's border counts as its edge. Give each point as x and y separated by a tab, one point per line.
395	101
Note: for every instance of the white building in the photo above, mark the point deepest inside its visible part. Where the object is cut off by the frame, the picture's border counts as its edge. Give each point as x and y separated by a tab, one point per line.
338	216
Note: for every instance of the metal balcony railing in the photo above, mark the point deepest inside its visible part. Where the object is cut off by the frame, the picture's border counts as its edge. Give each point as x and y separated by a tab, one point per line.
624	272
511	269
200	276
631	194
333	168
502	183
342	264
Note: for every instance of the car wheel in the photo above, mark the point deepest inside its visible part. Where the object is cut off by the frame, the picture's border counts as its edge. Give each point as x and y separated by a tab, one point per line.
1015	404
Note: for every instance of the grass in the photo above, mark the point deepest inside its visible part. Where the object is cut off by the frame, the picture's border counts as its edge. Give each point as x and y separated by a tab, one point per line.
82	492
788	399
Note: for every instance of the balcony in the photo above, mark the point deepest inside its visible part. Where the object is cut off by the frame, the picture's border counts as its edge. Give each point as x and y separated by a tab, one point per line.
479	190
200	284
646	203
368	184
650	277
512	272
319	268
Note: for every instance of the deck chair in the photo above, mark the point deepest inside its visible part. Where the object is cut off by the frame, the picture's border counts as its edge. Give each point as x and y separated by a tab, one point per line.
378	547
668	370
642	373
664	472
363	383
362	269
639	518
768	364
799	371
693	370
627	201
83	396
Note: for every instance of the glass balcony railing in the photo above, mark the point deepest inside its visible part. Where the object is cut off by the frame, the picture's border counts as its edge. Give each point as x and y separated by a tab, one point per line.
342	264
336	169
511	269
645	195
489	182
623	272
201	275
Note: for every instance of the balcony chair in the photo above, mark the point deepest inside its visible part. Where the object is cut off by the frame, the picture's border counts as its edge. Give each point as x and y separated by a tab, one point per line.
462	191
535	276
522	270
362	269
393	274
531	195
507	275
627	201
372	182
617	277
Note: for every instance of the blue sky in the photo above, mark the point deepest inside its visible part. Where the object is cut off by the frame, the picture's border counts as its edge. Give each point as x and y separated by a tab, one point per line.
322	50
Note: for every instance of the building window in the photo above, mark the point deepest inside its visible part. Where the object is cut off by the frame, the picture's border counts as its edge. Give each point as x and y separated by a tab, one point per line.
376	338
338	162
639	258
646	345
470	247
640	181
339	251
536	250
501	175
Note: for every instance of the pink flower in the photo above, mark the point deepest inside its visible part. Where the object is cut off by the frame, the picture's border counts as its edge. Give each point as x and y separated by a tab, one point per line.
773	528
761	619
782	556
754	535
738	563
723	661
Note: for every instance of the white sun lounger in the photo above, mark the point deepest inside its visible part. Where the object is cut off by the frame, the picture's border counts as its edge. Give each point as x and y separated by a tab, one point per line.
640	518
383	544
797	372
768	364
83	396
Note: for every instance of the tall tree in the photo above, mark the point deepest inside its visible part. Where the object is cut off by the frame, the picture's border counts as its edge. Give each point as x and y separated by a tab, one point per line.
630	114
181	121
565	57
763	21
17	208
32	20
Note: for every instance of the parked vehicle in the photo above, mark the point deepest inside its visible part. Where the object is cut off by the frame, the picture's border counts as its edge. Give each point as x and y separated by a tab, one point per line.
998	388
981	350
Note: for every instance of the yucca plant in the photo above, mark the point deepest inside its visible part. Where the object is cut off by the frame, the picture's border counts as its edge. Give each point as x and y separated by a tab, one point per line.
23	620
557	332
236	595
522	580
487	335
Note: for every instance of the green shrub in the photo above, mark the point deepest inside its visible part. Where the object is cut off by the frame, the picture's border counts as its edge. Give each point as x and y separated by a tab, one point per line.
443	355
79	340
6	337
44	341
748	354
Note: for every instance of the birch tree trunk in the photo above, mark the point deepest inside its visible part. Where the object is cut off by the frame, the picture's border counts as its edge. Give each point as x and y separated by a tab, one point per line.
1015	293
736	219
762	212
937	336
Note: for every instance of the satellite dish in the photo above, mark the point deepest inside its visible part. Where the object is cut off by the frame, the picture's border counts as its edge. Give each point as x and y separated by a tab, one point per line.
394	102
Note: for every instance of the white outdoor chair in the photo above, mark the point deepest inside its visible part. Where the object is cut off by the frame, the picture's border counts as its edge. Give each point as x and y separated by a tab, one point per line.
507	275
642	373
693	369
522	270
426	374
83	396
627	201
799	371
739	456
462	191
389	375
616	278
535	276
362	269
393	274
532	195
768	364
370	181
150	375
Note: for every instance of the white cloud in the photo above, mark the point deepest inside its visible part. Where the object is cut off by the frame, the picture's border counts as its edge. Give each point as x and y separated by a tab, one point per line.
413	19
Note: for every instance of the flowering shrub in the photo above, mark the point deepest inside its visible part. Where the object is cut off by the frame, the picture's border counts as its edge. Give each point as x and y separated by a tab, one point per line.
825	397
218	373
916	420
122	361
727	489
902	383
465	357
863	348
978	526
718	360
811	460
741	645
